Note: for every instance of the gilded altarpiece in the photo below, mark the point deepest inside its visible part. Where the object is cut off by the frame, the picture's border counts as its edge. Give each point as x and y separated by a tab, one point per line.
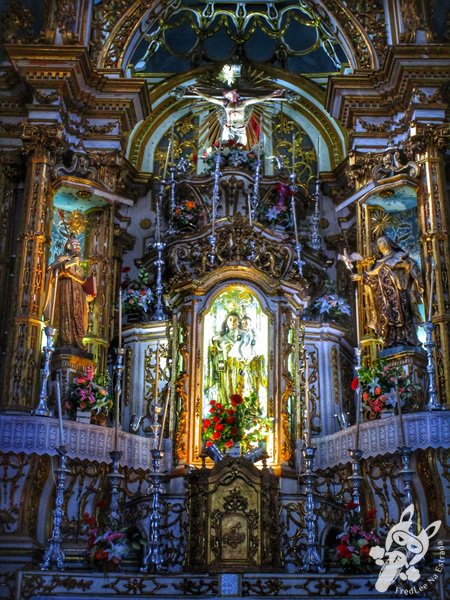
212	364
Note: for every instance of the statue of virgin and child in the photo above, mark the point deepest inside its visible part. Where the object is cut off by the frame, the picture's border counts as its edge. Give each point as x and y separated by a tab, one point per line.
235	365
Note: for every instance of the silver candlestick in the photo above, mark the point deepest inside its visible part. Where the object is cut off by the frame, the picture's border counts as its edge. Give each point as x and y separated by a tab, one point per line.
315	236
255	194
212	254
407	474
54	553
159	314
355	478
115	479
153	560
311	560
298	261
42	409
433	399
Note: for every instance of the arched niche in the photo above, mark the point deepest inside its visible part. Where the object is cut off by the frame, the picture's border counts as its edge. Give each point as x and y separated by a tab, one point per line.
390	209
235	348
201	315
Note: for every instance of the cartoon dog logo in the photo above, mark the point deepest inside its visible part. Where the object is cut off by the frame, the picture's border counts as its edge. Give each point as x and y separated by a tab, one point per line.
403	549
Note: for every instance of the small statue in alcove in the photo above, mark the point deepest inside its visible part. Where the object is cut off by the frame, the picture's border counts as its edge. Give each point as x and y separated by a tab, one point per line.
68	292
395	289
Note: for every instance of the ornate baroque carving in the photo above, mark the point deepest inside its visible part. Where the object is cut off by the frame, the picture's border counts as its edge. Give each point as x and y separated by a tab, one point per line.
189	258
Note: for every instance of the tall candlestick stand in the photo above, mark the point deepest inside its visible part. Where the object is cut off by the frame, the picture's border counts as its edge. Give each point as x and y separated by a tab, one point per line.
433	399
359	410
159	313
54	553
153	560
255	193
297	246
311	560
42	409
407	474
172	206
355	478
215	199
315	235
115	478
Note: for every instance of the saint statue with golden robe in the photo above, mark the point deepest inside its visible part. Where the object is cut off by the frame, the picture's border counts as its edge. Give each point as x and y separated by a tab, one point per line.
395	289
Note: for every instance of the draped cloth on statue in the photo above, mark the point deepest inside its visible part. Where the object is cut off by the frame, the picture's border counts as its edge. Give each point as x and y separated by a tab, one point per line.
233	370
70	314
395	320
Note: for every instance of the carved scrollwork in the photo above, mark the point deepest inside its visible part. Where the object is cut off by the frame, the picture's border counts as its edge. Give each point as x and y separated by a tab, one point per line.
377	166
237	242
391	164
107	168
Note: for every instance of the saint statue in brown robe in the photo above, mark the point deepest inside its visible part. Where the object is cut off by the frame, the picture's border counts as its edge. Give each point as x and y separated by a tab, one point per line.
68	292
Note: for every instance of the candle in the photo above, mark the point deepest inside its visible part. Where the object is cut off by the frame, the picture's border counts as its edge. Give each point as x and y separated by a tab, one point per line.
293	152
120	318
294	217
249	197
400	418
318	155
172	139
260	137
169	153
307	410
357	314
164	417
155	394
54	290
430	297
158	212
58	403
358	409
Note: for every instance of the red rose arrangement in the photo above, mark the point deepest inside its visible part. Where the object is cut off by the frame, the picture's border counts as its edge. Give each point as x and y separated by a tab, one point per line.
240	420
358	537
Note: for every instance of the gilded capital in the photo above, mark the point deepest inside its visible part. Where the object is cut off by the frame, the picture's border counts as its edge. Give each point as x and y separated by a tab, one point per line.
41	139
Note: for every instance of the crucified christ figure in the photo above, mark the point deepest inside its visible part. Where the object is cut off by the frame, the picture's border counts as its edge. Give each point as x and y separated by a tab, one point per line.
237	117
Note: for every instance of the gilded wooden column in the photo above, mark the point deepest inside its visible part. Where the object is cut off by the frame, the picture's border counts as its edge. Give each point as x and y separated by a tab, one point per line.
99	249
24	348
10	175
427	144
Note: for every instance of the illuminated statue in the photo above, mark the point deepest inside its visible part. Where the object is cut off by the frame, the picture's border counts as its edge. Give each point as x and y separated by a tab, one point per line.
68	294
233	366
236	115
395	290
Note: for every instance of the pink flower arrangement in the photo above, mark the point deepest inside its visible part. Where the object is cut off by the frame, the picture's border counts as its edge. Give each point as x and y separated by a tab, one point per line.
355	542
89	392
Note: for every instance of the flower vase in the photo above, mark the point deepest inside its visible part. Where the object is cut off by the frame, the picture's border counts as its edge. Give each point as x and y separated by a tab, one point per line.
234	451
83	416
